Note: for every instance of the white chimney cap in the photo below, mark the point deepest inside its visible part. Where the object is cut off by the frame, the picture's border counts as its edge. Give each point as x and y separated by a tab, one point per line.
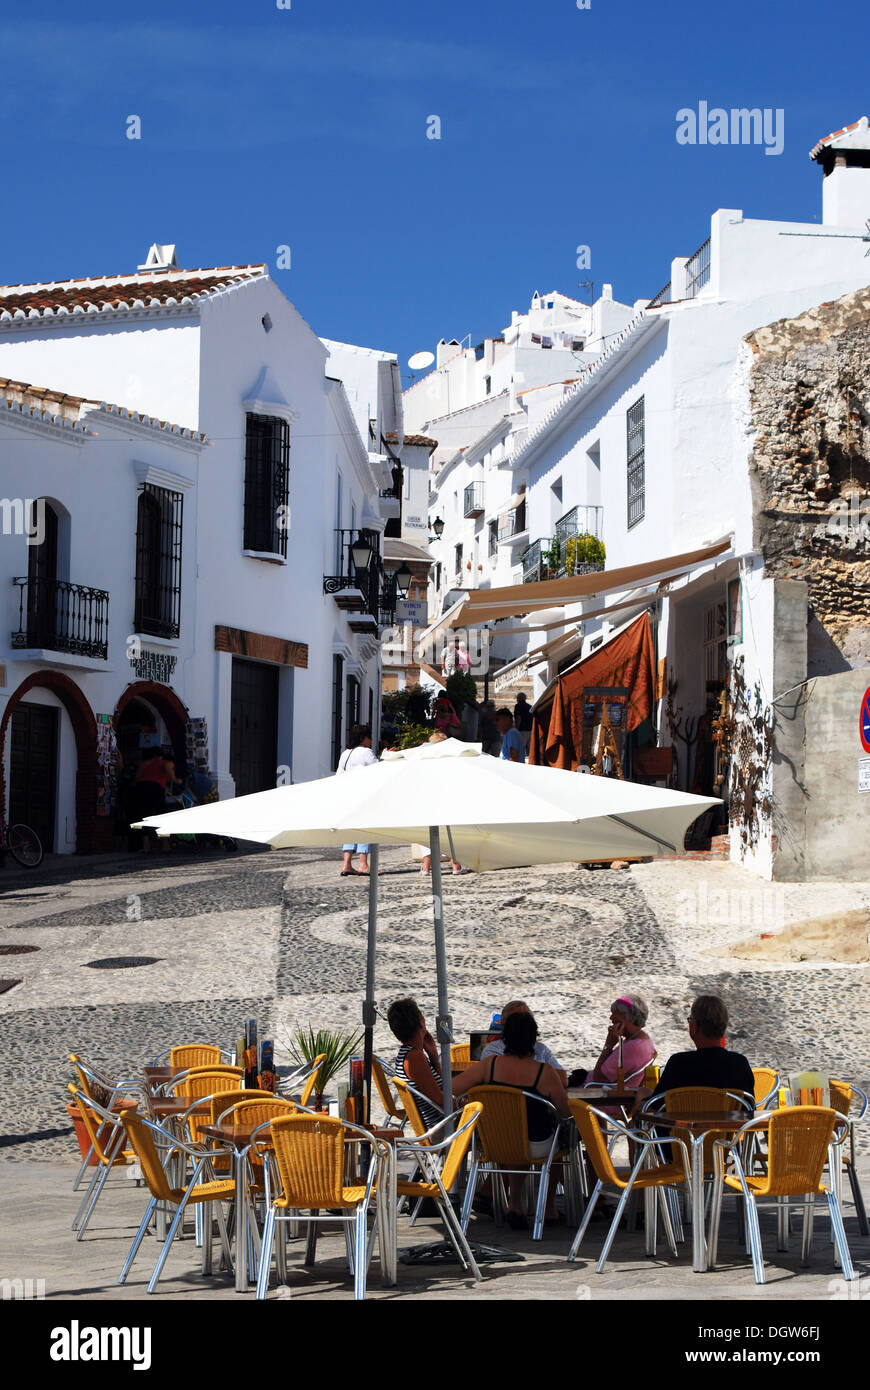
160	258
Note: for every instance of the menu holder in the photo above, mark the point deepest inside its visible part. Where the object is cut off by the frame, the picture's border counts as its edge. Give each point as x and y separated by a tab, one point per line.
357	1088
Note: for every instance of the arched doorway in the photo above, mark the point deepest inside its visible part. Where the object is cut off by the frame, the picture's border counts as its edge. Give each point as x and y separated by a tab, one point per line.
91	835
147	717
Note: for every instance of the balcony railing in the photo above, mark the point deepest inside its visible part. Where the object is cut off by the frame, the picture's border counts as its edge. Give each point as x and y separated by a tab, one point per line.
557	556
472	502
394	491
580	521
663	296
514	523
62	617
356	589
698	270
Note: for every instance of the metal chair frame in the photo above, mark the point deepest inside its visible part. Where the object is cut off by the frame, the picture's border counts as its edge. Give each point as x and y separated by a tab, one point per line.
538	1167
425	1150
359	1247
116	1088
201	1166
109	1134
614	1130
732	1147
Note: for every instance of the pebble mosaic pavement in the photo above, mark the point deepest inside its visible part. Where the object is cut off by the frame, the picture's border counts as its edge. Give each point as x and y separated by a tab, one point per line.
280	936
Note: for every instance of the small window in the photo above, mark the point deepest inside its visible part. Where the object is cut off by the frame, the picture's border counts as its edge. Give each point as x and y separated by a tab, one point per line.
487	385
458	554
492	547
267	484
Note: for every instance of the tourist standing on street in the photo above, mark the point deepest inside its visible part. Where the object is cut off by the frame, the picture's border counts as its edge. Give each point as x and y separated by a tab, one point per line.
512	747
357	754
149	789
523	720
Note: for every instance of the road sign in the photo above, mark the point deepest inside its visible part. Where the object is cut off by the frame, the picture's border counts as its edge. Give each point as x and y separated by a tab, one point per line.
864	721
864	774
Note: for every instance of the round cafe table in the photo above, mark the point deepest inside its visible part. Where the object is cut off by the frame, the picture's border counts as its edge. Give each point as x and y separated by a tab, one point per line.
694	1129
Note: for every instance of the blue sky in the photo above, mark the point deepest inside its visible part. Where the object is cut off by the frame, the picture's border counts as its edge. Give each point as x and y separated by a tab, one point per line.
307	127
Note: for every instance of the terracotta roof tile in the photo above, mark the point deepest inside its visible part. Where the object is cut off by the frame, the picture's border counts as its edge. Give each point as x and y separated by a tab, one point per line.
42	401
413	439
142	291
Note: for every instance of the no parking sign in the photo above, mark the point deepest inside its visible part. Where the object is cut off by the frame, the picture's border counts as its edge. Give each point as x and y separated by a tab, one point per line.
864	722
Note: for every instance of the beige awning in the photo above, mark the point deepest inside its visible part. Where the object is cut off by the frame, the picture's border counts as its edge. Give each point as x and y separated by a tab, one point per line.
516	599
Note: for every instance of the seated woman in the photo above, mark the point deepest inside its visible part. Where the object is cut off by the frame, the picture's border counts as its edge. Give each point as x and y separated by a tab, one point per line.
628	1014
417	1058
517	1068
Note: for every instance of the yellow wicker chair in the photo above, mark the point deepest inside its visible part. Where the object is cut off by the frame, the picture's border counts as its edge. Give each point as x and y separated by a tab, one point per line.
395	1115
843	1100
502	1136
596	1129
799	1137
408	1097
460	1054
311	1079
695	1100
201	1084
195	1055
437	1184
106	1090
106	1134
145	1137
310	1155
766	1083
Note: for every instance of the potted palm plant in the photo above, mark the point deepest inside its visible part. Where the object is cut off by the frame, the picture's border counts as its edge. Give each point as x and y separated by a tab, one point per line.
338	1047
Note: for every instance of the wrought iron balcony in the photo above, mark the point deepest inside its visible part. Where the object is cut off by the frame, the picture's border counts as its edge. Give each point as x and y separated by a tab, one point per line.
698	270
580	521
472	502
514	523
62	617
355	589
534	563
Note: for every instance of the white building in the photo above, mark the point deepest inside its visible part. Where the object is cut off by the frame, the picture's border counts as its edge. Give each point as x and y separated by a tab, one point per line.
275	648
480	403
657	439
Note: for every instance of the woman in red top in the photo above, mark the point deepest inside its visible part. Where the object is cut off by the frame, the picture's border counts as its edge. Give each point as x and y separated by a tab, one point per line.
149	788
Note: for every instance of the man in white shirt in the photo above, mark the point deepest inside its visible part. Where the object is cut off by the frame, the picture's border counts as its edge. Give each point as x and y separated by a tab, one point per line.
542	1052
358	754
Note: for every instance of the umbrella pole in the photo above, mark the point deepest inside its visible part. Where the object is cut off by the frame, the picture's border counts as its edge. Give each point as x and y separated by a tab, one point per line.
443	1021
368	1012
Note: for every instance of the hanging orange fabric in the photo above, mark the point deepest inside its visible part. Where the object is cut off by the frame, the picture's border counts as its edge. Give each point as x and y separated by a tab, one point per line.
626	660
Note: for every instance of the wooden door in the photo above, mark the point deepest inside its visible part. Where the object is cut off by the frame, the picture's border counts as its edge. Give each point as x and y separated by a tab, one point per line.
33	770
253	726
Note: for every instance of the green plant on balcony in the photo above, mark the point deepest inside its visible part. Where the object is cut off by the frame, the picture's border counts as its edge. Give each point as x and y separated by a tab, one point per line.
552	557
583	550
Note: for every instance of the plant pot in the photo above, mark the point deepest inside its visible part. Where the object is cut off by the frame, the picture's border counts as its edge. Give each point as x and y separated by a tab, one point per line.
82	1135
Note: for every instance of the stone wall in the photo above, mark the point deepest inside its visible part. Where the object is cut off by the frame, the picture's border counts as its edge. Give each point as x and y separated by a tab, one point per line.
809	388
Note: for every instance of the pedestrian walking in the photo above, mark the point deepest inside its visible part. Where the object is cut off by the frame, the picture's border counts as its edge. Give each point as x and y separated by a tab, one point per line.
523	720
512	747
357	754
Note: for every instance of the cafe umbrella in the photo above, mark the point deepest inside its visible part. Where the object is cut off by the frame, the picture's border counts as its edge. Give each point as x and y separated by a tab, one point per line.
493	813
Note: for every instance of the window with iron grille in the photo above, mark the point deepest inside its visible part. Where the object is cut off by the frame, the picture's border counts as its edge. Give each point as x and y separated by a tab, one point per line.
337	692
352	704
636	466
492	544
158	562
267	483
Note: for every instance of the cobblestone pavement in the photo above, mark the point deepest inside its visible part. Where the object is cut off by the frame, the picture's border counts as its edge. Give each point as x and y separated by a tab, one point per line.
281	936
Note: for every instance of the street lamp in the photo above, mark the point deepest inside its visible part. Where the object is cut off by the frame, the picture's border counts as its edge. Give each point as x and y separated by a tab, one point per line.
361	554
403	580
438	527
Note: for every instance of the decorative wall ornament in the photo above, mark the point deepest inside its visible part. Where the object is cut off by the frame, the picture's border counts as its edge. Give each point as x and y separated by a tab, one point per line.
743	730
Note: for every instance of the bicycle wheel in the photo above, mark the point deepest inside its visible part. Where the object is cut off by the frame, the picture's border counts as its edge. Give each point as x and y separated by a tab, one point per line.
25	846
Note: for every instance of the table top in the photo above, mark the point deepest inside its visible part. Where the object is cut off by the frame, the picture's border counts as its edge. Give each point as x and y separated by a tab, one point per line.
162	1073
239	1136
705	1120
598	1095
166	1109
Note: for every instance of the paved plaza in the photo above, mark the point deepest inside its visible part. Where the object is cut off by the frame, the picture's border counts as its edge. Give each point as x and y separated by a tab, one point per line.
280	936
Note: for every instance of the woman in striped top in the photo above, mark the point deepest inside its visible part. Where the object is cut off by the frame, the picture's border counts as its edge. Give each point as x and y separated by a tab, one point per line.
417	1058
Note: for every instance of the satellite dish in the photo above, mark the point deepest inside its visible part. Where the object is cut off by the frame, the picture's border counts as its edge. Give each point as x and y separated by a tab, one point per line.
421	360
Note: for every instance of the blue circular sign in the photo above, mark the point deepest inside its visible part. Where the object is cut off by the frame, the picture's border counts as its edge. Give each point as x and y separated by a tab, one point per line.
864	722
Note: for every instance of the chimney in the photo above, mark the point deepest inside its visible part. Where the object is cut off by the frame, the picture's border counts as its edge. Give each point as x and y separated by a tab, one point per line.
845	160
160	258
